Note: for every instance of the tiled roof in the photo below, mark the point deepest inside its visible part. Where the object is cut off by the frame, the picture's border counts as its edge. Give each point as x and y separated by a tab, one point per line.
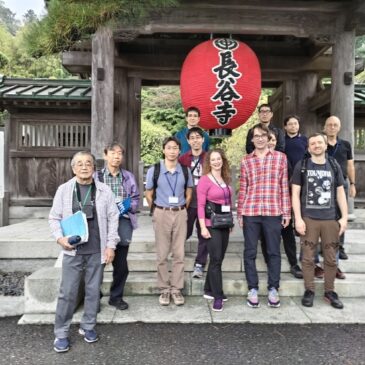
359	94
45	89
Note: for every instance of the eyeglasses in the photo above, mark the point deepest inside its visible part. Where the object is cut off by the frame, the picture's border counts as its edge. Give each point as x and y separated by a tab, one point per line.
265	111
260	136
87	164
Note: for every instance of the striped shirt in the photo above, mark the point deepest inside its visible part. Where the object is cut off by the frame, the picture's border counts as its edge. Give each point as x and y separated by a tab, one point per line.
264	188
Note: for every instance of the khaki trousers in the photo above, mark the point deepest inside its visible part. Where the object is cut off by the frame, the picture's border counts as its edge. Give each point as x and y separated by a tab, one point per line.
328	231
170	235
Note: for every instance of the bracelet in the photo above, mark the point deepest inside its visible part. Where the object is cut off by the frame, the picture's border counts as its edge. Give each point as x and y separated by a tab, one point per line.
351	183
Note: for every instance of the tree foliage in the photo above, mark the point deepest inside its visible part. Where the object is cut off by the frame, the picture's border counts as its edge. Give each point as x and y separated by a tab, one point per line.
69	21
162	106
15	61
7	19
152	136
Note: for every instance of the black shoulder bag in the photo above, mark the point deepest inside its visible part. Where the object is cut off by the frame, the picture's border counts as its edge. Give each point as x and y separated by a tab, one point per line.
218	219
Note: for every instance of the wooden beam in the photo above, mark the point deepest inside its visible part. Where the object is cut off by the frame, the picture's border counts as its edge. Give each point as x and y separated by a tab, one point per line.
265	17
173	62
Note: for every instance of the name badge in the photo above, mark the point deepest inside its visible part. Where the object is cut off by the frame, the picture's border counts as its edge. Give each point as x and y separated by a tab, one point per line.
173	199
226	208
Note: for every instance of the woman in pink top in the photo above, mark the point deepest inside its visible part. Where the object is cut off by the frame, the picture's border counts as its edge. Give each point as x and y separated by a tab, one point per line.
214	187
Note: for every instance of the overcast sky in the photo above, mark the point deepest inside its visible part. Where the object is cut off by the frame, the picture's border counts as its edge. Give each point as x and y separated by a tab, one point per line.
20	7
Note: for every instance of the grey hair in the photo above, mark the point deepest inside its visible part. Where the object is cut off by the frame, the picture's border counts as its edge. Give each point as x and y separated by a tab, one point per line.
82	153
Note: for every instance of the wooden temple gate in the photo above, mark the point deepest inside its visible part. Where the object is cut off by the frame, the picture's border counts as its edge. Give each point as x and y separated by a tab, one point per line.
298	43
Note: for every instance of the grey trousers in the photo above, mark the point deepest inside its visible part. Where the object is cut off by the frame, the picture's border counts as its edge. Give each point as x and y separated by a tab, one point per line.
73	268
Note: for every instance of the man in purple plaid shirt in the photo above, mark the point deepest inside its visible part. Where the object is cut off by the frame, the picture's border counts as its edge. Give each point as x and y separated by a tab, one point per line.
263	208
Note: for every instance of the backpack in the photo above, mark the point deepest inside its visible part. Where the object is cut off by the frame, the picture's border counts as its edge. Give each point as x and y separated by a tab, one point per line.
156	174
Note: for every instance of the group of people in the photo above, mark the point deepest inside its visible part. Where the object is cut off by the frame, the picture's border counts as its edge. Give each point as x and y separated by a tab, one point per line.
285	178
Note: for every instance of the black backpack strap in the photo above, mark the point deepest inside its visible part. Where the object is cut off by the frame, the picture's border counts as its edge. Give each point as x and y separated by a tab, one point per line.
156	174
186	175
303	169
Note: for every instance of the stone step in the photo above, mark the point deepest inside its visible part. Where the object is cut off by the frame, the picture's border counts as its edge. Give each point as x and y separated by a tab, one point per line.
147	262
232	262
41	288
144	283
30	249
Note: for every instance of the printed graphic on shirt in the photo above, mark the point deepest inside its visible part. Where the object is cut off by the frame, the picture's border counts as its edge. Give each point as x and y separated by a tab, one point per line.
196	169
319	193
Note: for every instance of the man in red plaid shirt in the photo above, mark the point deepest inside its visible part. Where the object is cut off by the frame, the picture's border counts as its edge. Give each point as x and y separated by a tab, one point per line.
263	209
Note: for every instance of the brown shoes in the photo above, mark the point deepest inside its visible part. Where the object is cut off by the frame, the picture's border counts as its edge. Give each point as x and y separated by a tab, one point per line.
178	298
164	299
340	274
318	272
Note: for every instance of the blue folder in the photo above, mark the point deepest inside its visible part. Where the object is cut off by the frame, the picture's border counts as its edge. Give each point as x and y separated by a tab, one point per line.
76	225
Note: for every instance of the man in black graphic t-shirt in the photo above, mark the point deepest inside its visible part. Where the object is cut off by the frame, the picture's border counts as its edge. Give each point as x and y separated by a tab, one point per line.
316	190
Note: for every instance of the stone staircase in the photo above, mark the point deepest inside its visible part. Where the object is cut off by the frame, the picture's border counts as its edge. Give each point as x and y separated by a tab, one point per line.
41	288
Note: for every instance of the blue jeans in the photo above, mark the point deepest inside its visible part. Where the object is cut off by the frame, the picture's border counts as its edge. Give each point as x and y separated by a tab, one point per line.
270	228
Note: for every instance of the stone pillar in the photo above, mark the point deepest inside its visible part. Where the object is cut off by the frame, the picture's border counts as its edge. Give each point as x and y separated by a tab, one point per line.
342	86
307	85
102	101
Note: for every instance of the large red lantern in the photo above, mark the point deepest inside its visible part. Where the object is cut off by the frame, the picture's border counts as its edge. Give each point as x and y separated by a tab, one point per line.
222	78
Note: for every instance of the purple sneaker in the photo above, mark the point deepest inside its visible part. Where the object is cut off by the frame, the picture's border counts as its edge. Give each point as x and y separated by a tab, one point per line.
218	305
253	298
209	295
273	298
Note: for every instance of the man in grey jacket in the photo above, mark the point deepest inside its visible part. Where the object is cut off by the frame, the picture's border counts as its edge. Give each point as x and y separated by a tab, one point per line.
96	201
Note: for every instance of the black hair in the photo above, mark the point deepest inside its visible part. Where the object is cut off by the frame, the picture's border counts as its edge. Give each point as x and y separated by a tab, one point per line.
111	147
171	139
195	130
267	105
192	109
287	118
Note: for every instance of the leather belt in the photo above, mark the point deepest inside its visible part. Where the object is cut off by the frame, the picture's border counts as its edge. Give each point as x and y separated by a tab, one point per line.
174	209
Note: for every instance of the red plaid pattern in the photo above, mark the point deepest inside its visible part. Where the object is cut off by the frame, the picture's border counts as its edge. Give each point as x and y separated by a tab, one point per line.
264	188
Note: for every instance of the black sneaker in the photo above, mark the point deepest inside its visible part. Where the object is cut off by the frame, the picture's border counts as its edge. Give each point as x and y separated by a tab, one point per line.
342	254
307	300
120	304
296	271
332	298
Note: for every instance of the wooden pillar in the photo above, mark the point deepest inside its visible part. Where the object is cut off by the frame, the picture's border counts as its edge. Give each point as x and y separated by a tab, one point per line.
289	101
102	101
121	108
342	86
307	85
134	125
127	118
